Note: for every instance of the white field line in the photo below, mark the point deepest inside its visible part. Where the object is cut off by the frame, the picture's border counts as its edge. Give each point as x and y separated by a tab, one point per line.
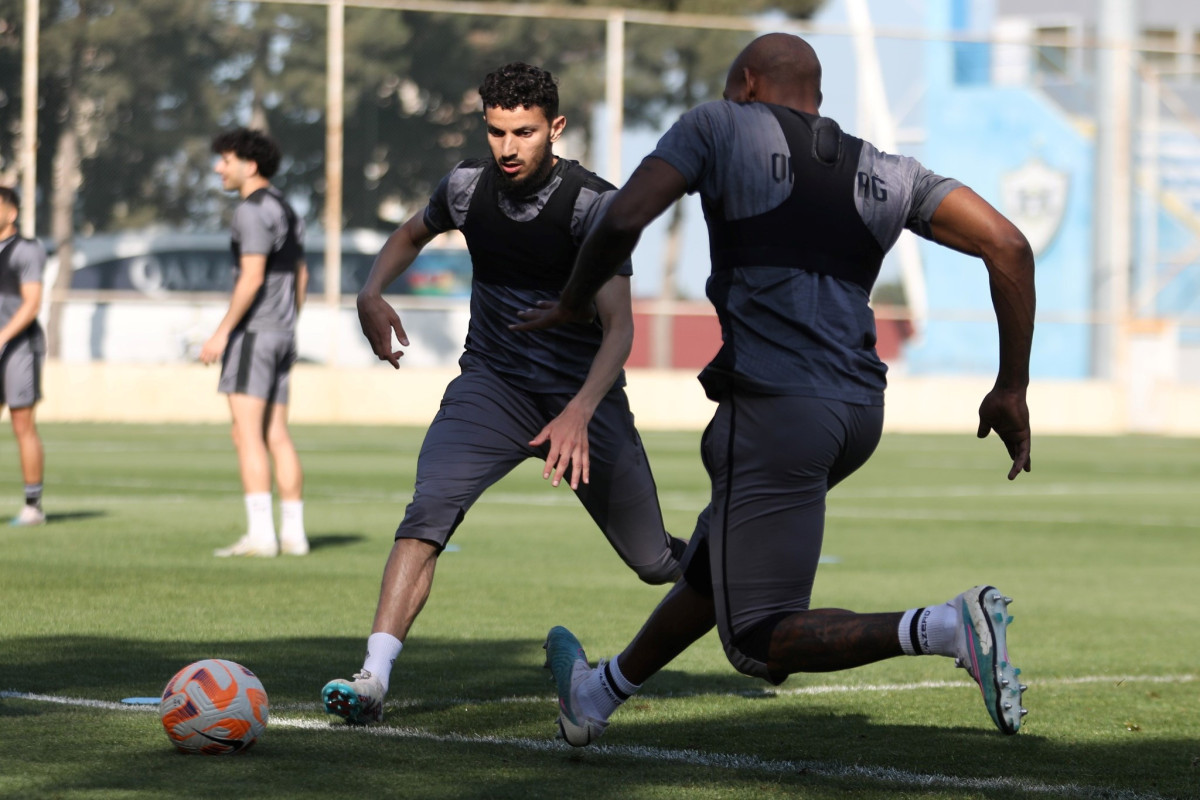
698	758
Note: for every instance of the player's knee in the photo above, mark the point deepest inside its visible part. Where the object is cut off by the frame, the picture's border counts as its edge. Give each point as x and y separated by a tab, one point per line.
668	568
432	519
749	650
22	423
660	572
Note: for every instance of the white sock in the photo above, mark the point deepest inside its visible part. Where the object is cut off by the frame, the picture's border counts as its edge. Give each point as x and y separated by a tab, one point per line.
382	649
291	519
931	630
259	515
604	690
941	629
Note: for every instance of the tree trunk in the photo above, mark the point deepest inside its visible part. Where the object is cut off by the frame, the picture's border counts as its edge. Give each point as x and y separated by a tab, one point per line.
65	179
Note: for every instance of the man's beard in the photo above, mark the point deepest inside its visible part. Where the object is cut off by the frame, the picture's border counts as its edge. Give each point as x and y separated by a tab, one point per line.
530	184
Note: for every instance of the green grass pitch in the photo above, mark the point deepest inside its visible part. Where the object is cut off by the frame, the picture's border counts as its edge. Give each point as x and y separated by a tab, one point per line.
1099	546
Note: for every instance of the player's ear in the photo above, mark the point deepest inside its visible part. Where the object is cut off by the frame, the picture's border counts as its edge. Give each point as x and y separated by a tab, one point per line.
750	81
556	127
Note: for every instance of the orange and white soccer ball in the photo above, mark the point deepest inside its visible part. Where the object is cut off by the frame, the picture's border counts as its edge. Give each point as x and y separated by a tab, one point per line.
214	707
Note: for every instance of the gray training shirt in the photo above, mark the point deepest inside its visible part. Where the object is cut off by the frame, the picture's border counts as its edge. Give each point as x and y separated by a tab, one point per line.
546	361
793	331
22	263
264	224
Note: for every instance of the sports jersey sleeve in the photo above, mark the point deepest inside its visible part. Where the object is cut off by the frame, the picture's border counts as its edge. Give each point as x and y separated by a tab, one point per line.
692	145
29	261
253	230
447	208
898	192
590	207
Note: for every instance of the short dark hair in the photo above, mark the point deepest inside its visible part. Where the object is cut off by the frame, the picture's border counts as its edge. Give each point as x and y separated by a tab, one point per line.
519	84
10	196
250	145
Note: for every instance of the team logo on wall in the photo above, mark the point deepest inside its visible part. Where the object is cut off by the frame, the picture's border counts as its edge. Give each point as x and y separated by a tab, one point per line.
1034	197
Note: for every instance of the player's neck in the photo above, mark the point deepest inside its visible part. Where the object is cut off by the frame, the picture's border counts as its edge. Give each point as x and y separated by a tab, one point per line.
8	232
253	184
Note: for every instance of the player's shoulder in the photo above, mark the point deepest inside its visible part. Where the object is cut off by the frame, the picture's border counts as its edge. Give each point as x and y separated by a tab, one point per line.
23	246
587	179
470	165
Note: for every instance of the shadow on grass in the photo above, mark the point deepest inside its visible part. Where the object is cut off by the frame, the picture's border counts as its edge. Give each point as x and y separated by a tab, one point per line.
456	688
73	516
331	540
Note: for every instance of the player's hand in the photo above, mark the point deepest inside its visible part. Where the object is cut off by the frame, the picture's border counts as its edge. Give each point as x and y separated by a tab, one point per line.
214	348
567	435
1006	413
549	314
378	319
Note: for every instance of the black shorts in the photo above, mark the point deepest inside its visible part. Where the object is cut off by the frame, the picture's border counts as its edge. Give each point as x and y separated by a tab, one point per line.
771	460
482	432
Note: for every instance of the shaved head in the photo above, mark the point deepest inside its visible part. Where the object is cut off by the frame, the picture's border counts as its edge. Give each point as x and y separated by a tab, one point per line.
776	68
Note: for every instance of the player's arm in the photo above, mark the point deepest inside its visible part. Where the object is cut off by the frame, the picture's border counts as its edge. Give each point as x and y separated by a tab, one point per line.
251	274
651	190
967	223
26	313
376	316
301	284
568	432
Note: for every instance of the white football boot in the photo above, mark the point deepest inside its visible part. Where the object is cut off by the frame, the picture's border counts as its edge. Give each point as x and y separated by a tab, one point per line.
29	515
568	664
358	701
252	546
982	647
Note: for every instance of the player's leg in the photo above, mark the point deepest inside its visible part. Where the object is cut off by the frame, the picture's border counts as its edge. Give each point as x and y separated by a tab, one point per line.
588	696
478	436
289	475
21	389
247	379
29	448
767	542
621	496
772	461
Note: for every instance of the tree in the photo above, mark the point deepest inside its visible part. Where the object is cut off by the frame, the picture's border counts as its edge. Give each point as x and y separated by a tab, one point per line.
123	88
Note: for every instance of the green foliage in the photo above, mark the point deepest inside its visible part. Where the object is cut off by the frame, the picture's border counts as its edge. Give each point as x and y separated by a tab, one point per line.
134	78
1097	545
148	82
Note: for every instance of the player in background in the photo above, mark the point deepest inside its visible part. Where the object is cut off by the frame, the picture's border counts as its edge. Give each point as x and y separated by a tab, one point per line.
22	349
255	341
557	395
799	217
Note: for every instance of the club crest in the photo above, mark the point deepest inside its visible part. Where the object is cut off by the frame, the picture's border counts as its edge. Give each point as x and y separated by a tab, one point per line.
1034	197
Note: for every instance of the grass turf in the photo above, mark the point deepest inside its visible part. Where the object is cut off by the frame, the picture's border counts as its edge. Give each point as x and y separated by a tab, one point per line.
1098	546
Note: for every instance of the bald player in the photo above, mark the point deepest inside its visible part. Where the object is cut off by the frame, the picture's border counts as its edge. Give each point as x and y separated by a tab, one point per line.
799	215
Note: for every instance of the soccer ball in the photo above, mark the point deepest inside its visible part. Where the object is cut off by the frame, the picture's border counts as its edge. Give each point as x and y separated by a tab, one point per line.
214	707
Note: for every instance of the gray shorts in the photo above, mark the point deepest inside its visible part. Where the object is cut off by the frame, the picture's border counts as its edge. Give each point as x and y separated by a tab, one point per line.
481	433
21	368
258	363
771	460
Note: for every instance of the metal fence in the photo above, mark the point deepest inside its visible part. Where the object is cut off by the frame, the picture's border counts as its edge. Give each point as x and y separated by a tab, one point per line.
1089	141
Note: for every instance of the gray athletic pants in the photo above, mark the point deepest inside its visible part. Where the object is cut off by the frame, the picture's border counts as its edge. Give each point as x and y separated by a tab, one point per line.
481	433
771	460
